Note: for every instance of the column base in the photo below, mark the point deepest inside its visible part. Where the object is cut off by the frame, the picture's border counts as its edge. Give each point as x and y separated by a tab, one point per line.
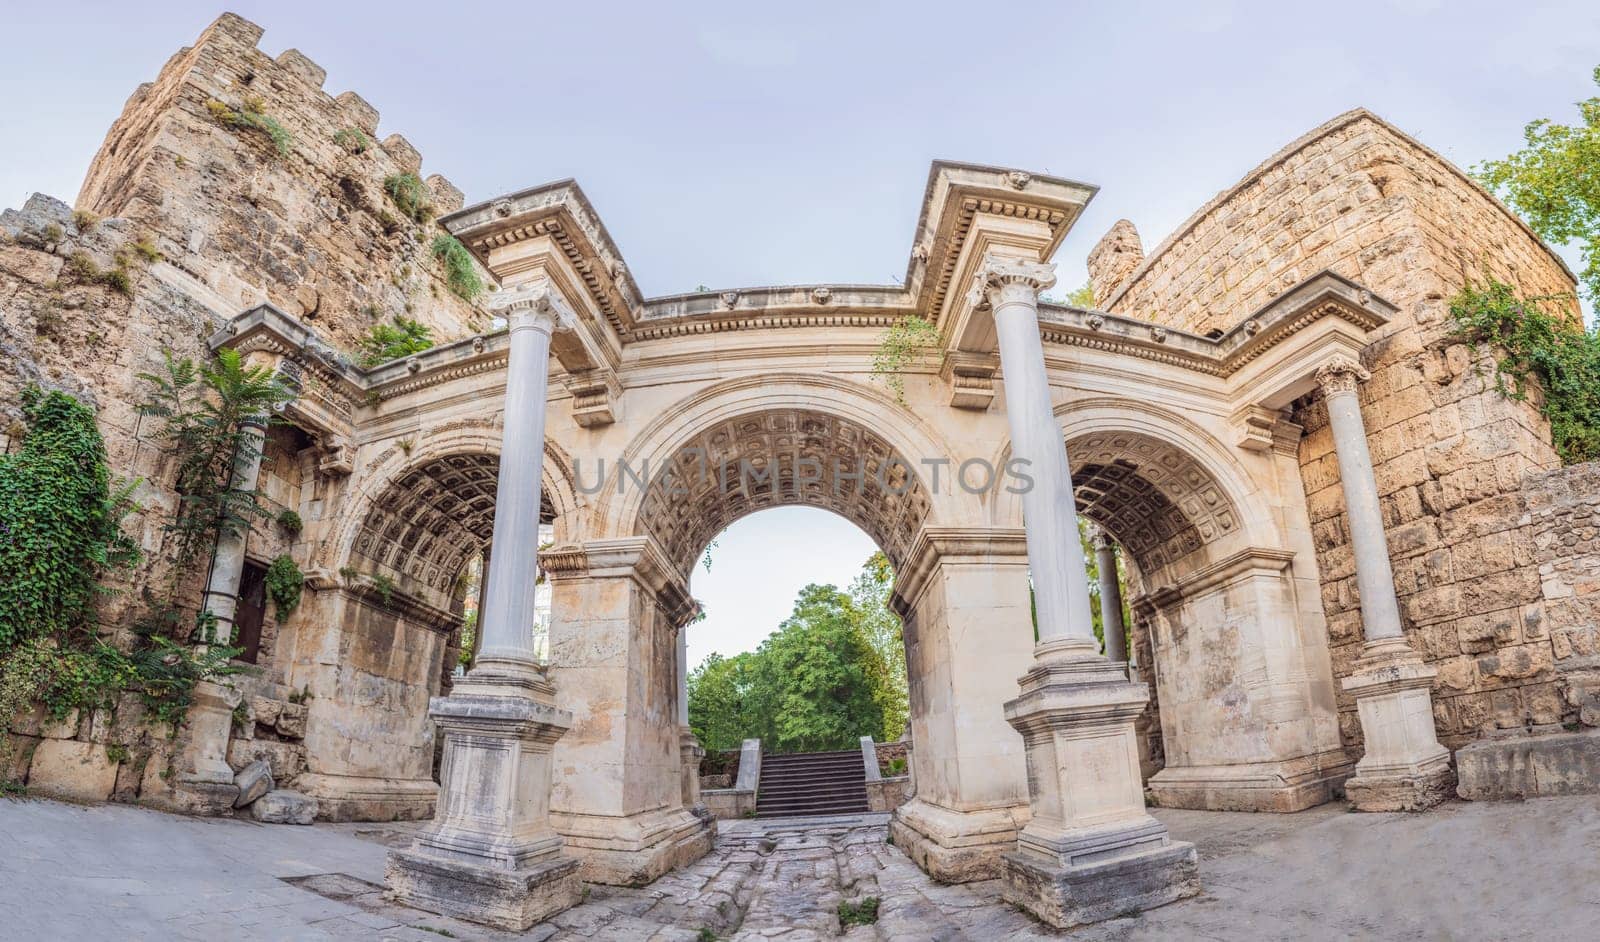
956	846
1405	768
1283	787
638	849
506	899
364	798
201	782
1066	895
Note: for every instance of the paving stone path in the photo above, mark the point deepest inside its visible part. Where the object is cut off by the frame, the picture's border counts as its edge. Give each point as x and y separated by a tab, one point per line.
1465	871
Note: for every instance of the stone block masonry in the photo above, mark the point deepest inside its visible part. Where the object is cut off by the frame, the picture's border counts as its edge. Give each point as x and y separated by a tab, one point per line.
1450	453
204	221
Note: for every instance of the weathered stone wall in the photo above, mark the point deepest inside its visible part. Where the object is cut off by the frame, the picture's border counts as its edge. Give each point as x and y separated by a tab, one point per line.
1359	197
311	231
204	221
1564	513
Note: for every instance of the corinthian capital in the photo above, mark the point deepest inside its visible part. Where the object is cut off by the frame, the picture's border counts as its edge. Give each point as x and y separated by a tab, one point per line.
1341	374
997	273
535	304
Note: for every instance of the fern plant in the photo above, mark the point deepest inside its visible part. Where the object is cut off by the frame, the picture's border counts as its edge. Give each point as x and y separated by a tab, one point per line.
385	342
459	271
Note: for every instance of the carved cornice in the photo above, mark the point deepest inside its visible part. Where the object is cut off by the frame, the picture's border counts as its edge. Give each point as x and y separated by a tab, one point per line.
935	546
1342	373
639	558
1244	562
561	212
971	378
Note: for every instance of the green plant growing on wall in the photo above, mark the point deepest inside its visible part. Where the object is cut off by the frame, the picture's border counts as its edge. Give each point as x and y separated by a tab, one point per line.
410	196
284	583
252	115
81	267
1538	343
459	271
385	342
469	638
60	533
353	140
60	521
384	586
291	522
899	347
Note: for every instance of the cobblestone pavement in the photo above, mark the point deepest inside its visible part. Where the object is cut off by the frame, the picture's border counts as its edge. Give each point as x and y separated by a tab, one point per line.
1466	871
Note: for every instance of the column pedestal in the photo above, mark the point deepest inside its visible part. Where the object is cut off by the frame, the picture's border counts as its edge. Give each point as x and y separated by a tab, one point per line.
490	854
202	780
1404	768
1091	851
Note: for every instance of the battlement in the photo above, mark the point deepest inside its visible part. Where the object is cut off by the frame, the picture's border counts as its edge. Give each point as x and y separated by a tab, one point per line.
229	147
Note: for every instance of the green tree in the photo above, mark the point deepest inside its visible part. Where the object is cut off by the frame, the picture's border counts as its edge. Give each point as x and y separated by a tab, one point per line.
1082	297
1554	182
825	674
869	594
205	411
728	701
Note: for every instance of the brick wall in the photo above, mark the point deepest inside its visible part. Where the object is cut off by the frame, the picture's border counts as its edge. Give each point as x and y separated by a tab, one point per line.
1361	198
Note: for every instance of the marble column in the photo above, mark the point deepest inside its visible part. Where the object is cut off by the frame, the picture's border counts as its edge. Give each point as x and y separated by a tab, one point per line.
1405	768
490	854
1116	634
202	779
221	598
1090	850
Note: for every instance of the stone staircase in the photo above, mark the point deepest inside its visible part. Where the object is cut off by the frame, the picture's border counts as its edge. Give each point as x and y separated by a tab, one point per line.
812	783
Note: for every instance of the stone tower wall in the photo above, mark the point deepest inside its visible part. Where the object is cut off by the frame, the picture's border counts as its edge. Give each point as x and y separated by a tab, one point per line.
1361	198
234	224
312	231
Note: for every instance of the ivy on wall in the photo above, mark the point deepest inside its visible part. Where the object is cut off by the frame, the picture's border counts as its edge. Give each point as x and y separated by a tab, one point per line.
898	348
60	533
1538	343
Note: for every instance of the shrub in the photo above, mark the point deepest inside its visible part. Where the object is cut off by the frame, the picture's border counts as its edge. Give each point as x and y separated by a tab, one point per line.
147	250
284	583
459	271
410	196
291	522
863	912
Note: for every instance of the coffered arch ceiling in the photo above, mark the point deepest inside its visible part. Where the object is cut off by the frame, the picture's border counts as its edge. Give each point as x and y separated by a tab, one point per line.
1152	497
781	457
426	525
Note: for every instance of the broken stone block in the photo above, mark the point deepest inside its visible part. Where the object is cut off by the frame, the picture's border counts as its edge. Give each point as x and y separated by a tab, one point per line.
284	806
253	781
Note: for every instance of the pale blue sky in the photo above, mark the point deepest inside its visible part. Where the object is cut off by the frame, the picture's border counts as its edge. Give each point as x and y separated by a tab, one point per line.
746	144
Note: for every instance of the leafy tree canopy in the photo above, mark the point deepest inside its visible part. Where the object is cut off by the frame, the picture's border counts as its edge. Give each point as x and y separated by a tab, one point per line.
1554	182
833	671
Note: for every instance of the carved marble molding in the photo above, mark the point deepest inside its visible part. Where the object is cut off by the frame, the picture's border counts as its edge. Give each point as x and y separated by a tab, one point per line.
997	273
1254	560
971	378
1342	373
596	397
935	546
535	304
639	558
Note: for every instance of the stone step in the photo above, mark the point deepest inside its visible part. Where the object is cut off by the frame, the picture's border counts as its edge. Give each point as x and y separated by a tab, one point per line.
811	784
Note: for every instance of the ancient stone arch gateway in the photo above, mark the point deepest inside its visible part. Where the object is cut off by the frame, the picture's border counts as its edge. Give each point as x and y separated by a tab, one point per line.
720	404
